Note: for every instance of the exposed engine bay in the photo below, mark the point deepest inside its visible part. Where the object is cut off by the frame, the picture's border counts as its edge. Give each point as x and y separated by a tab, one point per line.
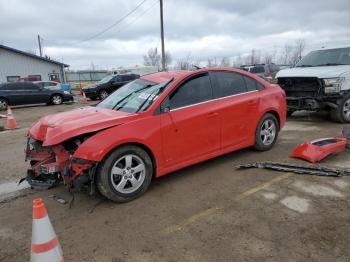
307	93
54	164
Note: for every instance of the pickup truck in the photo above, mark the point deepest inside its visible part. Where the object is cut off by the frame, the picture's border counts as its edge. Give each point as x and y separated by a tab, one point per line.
320	81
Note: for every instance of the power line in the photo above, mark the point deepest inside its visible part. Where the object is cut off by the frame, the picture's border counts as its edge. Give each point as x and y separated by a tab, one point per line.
137	18
112	25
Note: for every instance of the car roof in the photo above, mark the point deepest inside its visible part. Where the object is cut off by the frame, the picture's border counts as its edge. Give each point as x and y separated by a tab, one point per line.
160	77
44	82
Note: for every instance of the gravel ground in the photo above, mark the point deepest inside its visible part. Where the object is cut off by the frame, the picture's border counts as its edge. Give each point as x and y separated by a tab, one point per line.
207	212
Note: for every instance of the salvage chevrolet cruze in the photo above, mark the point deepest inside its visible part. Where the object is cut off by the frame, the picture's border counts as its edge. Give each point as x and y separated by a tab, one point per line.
152	126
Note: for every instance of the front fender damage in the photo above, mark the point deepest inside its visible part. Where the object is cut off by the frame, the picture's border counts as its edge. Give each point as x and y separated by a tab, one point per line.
55	164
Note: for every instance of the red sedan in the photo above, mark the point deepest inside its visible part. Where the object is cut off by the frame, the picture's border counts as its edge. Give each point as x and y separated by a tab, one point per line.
152	126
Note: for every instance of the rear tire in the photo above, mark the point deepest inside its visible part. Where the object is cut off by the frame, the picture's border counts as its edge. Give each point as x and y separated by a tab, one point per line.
266	132
125	174
3	104
341	114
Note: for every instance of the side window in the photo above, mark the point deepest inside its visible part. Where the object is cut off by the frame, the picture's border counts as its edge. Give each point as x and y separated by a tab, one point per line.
229	83
116	79
12	78
252	84
50	84
54	77
30	86
193	91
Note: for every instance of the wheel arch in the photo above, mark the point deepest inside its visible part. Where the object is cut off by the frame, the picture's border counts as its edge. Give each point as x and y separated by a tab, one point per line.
5	98
138	144
275	114
55	94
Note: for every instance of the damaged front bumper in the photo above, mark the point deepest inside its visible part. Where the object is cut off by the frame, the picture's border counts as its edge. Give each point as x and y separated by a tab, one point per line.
55	164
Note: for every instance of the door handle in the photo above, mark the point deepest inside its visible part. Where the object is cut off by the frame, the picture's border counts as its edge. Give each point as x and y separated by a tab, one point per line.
212	114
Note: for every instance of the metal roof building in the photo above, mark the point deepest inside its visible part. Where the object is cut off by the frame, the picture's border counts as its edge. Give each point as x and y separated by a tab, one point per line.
16	64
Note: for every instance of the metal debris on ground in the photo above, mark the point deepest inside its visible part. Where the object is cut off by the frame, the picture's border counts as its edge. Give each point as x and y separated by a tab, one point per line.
58	199
308	170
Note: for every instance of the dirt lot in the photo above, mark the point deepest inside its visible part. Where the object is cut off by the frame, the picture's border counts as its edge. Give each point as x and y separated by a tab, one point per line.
208	212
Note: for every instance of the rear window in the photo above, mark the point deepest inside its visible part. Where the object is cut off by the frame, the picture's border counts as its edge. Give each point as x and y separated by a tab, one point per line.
22	86
229	83
252	84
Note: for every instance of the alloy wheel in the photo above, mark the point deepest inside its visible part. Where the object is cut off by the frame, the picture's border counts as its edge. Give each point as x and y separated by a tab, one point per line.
103	94
57	100
346	110
268	132
3	104
128	173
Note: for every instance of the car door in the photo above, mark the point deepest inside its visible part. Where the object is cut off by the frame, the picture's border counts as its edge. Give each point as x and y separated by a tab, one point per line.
190	127
16	93
37	94
237	107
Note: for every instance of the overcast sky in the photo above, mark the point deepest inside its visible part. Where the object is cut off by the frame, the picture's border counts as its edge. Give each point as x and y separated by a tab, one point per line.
200	28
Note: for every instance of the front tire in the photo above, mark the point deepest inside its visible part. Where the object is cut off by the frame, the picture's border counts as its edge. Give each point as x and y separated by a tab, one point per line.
103	94
266	132
125	174
56	100
341	114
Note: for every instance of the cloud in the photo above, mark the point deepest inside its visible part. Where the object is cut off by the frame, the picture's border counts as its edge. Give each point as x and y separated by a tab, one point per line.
201	28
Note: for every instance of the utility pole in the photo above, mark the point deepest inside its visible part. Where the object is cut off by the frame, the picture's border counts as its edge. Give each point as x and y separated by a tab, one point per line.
162	34
39	42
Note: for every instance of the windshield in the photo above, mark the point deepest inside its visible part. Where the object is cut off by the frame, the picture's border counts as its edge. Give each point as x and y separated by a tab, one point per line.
339	56
134	97
105	79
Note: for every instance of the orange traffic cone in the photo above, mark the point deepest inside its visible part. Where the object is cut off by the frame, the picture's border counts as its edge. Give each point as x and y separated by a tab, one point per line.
84	98
45	245
11	121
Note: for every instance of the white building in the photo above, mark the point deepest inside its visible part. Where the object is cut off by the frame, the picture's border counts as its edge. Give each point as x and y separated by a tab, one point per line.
16	64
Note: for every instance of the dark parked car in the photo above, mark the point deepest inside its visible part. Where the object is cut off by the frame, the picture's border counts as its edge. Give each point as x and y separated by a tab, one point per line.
107	85
22	93
266	71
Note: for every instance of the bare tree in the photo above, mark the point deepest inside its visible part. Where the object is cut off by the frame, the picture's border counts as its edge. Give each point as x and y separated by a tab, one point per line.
297	51
237	61
152	58
187	63
225	62
212	62
286	54
270	57
254	57
168	59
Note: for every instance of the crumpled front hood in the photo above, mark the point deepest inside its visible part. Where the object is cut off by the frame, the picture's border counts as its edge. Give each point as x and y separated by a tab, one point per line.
54	129
316	71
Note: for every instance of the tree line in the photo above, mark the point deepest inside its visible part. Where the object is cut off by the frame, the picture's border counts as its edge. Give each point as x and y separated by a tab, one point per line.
289	55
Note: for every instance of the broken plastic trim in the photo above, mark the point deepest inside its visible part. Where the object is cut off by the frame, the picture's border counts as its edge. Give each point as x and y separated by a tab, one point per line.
316	150
307	170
